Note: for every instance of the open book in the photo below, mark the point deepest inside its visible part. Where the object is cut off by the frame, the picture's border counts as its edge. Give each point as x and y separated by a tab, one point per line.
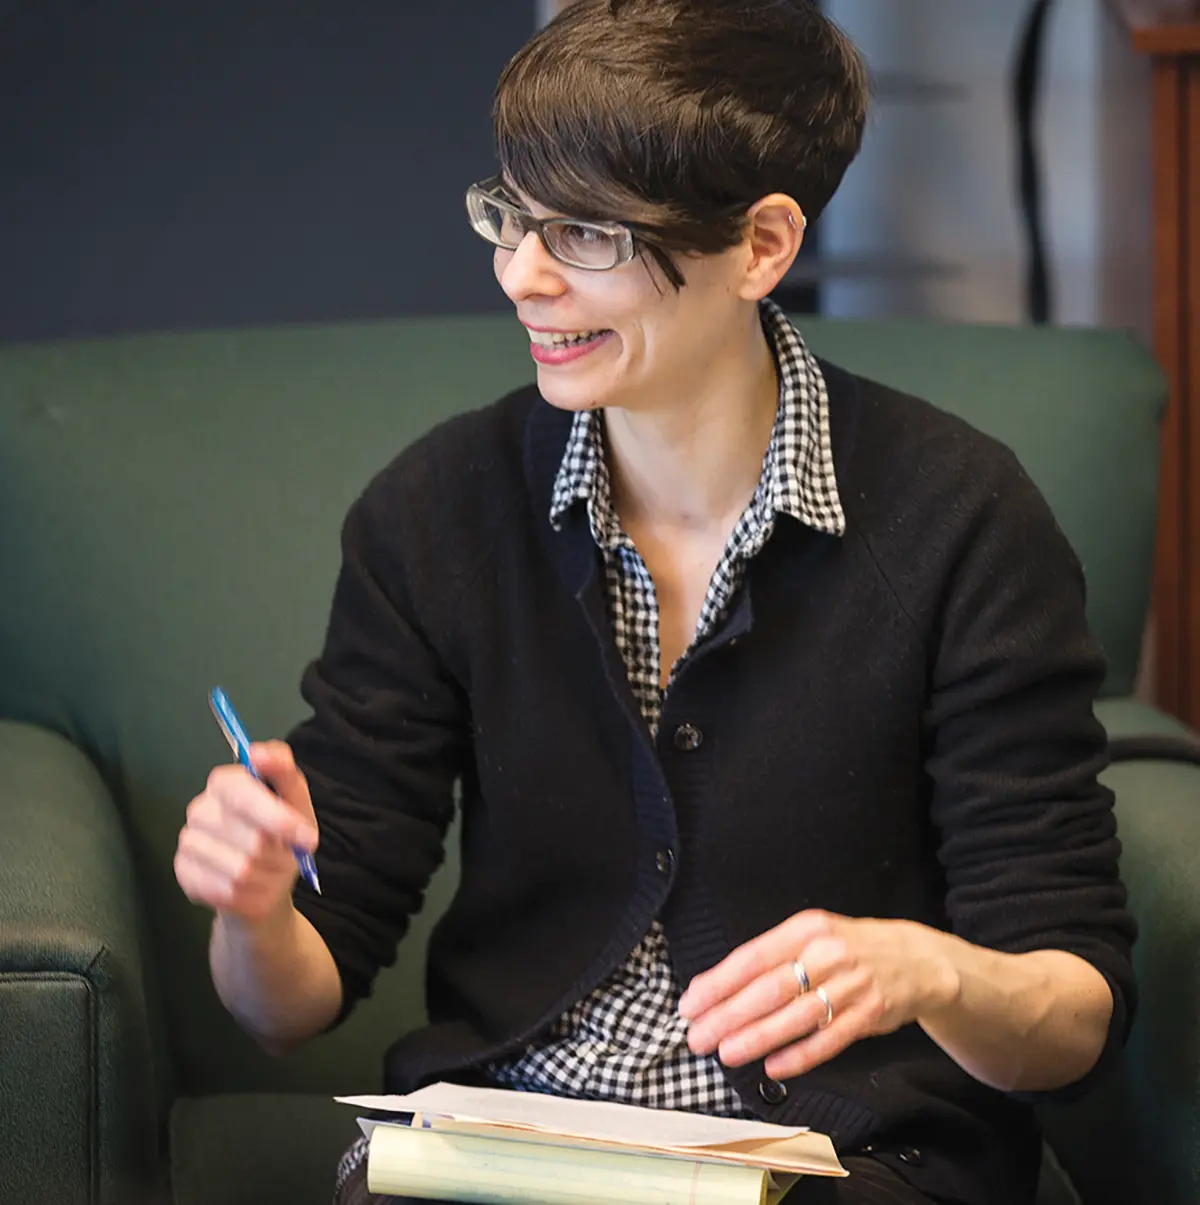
496	1147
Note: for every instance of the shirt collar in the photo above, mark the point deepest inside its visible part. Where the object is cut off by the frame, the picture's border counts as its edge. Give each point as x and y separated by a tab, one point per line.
798	477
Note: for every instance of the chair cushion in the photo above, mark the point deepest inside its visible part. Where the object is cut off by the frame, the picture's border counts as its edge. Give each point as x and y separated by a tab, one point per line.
257	1148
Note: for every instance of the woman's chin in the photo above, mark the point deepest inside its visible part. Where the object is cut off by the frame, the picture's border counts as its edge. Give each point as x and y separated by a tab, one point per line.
569	397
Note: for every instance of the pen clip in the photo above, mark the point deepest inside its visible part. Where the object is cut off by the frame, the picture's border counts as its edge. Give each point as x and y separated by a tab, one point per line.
223	713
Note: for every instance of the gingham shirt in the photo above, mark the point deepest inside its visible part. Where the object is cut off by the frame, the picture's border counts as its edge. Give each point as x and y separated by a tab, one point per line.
626	1041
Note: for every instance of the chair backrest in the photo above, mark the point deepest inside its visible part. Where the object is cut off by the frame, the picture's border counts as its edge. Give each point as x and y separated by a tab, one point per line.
169	513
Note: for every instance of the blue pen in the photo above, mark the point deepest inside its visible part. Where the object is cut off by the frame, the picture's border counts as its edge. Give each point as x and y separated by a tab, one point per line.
239	742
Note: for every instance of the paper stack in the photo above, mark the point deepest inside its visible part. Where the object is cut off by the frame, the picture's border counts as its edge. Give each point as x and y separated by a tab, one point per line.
496	1147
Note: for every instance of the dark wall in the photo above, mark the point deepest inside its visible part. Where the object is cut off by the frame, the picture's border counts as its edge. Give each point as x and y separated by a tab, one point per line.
180	164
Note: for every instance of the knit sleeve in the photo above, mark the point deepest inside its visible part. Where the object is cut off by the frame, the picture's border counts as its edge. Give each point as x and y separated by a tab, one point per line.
1028	836
386	742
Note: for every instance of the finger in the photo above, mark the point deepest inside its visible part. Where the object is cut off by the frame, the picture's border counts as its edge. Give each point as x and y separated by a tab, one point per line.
799	1019
764	996
823	958
850	1024
745	964
237	864
275	762
208	814
775	989
248	839
240	794
211	889
200	883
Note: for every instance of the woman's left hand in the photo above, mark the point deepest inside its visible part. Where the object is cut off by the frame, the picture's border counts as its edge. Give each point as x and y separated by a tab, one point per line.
873	976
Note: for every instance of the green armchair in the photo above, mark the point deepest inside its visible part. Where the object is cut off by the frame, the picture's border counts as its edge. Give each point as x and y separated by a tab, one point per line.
169	514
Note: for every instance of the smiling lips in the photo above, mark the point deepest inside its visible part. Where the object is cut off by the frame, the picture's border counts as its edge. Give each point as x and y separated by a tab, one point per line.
562	347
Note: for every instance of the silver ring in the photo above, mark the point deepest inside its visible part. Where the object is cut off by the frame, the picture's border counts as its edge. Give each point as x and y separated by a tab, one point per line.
801	976
821	995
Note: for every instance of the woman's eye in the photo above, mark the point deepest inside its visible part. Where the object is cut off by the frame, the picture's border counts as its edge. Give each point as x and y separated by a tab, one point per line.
583	236
583	244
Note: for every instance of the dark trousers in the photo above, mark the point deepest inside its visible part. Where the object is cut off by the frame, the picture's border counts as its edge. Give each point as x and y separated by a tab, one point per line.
870	1183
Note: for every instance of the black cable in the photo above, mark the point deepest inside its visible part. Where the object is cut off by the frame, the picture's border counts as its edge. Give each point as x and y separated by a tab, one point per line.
1027	83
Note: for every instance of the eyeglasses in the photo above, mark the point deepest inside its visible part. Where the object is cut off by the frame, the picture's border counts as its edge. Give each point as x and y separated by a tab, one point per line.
593	246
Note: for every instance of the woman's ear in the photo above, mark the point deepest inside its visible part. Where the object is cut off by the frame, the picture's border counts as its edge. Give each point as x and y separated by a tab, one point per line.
774	231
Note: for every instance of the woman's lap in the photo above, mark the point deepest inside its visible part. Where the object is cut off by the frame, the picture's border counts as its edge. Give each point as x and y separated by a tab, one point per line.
870	1183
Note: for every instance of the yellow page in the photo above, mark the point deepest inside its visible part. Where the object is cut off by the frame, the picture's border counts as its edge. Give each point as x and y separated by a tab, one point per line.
449	1166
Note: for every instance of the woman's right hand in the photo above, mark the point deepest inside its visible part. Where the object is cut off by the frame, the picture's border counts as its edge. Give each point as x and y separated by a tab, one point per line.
235	851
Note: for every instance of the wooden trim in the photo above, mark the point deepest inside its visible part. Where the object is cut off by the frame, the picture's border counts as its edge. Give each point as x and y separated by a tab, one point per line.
1169	131
1175	51
1167	40
1189	397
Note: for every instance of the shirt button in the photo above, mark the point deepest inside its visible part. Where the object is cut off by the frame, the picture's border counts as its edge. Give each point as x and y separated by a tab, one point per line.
772	1091
912	1156
664	860
688	737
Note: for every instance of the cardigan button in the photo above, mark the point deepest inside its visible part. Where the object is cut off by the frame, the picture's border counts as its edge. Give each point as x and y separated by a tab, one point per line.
688	737
772	1091
664	860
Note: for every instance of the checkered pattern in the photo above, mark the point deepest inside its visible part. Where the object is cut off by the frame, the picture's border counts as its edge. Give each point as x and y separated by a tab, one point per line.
625	1041
352	1159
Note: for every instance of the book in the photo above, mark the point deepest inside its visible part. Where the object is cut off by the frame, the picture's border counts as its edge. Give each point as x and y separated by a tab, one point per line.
492	1146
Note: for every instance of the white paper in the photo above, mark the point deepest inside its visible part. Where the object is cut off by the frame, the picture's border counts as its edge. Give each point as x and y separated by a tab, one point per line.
603	1121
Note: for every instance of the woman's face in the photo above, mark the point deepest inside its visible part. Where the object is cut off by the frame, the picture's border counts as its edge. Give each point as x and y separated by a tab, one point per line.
625	337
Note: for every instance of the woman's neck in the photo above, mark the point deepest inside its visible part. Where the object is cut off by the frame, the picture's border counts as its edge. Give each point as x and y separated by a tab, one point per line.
694	463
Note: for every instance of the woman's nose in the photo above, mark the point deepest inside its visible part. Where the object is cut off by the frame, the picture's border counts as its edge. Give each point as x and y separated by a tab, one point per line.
529	271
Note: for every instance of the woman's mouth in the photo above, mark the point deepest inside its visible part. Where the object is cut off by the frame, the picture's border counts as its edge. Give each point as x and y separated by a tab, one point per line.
563	347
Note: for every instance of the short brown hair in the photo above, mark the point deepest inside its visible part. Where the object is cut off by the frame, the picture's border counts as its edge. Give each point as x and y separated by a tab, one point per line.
677	115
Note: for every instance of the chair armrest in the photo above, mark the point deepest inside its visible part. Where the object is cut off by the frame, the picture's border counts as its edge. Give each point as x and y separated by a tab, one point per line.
1137	1138
79	1106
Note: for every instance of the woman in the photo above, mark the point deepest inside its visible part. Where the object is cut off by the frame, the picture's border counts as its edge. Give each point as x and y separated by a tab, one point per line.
768	690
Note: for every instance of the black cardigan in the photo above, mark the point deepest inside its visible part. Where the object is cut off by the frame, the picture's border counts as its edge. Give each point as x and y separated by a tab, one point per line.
896	723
